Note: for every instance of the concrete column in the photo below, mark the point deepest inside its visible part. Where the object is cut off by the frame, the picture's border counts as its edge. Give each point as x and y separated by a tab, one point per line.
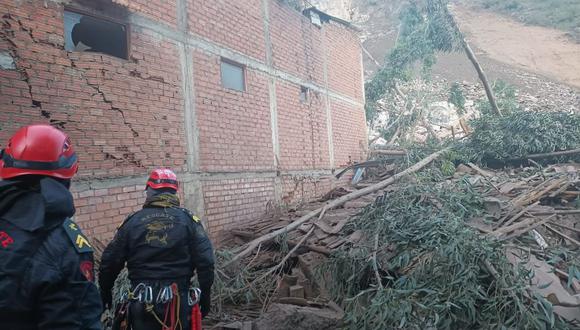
272	97
327	90
192	188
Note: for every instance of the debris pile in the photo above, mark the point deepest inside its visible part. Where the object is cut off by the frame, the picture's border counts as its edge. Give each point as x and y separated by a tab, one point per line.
440	244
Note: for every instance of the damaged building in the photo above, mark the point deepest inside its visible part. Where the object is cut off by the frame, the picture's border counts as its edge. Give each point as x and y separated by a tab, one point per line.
253	103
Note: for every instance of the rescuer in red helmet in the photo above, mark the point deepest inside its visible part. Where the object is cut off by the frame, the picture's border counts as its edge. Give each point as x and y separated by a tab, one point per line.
162	244
46	263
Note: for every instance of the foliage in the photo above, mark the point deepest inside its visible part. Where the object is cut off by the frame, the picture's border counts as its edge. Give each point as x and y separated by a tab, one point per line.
457	98
244	287
506	99
431	267
520	133
425	30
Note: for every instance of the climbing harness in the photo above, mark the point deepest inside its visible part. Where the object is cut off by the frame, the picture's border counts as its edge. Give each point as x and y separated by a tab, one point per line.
167	296
193	297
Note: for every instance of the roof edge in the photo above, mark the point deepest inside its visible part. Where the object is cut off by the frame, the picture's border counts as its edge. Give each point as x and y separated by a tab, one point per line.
326	17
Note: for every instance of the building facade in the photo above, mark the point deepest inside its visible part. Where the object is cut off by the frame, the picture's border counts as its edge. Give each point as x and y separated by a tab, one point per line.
253	103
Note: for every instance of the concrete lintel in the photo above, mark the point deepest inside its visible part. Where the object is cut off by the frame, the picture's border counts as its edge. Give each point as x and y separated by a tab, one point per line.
109	183
188	178
197	42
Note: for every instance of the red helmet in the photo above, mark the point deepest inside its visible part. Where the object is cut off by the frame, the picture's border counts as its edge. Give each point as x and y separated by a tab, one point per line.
162	178
38	150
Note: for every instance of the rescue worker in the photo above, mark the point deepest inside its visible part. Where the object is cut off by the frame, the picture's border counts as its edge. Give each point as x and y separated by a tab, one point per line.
162	244
46	263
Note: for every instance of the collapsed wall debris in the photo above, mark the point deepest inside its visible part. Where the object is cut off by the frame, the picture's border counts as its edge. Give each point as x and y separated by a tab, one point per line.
454	245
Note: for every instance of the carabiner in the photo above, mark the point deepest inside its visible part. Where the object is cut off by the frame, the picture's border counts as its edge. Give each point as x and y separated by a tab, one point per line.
193	296
148	295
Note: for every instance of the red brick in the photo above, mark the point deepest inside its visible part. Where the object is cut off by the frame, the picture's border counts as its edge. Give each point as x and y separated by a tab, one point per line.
102	101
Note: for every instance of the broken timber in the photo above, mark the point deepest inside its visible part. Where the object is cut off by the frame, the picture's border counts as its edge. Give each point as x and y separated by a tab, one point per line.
335	203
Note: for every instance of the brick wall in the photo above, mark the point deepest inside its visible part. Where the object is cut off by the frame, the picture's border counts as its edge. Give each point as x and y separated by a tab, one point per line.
234	126
302	129
234	24
343	50
129	116
296	44
164	11
349	133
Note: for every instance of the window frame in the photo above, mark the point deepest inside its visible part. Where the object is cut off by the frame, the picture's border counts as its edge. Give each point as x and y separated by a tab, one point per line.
236	64
304	90
103	17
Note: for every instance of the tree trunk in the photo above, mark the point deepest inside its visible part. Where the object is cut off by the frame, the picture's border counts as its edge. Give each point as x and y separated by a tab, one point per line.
471	55
336	203
482	77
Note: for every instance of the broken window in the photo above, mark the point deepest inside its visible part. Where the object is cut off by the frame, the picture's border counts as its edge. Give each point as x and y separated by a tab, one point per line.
233	76
84	33
304	91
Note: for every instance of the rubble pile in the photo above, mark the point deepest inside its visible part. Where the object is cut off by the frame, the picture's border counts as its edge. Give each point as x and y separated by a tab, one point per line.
418	241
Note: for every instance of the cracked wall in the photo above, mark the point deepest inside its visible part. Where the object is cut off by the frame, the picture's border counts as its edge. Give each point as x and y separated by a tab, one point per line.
236	153
124	116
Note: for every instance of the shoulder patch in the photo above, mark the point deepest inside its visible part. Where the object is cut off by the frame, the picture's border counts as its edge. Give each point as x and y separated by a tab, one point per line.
191	215
78	240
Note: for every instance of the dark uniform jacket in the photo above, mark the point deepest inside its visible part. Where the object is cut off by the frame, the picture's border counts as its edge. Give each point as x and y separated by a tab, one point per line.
160	243
46	264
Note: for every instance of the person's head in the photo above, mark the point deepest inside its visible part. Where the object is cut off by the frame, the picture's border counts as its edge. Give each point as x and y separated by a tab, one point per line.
39	151
160	181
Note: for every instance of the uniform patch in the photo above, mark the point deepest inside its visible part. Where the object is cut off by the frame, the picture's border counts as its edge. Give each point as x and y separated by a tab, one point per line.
88	270
5	239
80	241
188	212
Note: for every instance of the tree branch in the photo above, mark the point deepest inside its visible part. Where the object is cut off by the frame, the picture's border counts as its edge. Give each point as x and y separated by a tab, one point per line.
335	203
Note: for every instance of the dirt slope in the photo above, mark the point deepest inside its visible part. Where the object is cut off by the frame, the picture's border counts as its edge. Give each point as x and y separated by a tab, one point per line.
540	50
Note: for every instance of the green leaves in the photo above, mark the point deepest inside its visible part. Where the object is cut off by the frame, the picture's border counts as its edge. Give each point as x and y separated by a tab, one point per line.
425	31
431	267
457	98
519	134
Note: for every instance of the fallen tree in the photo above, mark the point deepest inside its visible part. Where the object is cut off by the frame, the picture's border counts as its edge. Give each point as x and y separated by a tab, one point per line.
335	203
419	266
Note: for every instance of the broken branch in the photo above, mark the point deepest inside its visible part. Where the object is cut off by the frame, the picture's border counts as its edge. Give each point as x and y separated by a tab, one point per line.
389	152
568	238
548	155
291	243
335	203
375	263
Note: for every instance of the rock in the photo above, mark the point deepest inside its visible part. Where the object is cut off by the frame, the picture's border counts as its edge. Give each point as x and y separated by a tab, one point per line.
546	283
297	291
464	169
291	317
492	206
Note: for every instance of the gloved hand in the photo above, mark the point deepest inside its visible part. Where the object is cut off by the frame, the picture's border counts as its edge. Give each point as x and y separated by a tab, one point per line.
205	303
204	310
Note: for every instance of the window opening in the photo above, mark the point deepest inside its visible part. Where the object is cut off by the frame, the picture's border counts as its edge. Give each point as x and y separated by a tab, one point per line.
304	93
84	33
233	76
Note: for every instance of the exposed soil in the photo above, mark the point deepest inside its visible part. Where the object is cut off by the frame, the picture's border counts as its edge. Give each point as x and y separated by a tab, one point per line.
537	49
540	61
